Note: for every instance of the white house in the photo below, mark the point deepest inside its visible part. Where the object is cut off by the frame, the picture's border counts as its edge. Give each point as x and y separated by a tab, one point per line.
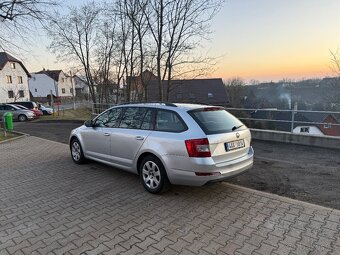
13	79
82	89
307	130
44	82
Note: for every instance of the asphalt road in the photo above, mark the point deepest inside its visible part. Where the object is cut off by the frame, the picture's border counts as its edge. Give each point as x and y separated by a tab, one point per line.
301	172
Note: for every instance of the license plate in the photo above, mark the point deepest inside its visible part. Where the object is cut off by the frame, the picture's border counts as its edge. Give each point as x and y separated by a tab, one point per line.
234	145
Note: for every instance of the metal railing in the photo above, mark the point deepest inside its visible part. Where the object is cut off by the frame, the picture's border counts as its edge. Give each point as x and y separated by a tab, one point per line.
294	118
270	119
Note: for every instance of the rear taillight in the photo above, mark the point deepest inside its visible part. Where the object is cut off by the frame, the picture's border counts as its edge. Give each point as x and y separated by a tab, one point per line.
198	148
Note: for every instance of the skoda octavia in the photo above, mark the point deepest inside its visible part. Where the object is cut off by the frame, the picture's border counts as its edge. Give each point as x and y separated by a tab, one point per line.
182	144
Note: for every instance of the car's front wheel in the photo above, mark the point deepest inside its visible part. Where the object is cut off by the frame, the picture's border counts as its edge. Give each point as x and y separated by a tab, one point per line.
153	175
77	152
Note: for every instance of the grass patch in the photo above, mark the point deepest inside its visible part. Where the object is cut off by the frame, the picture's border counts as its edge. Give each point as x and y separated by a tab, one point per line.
9	135
78	114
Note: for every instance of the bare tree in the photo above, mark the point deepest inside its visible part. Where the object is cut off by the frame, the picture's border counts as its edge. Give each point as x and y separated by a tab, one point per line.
74	38
236	91
335	67
18	17
177	27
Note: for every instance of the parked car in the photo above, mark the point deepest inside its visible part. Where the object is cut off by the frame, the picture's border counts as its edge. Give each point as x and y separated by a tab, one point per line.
18	114
45	109
37	113
28	104
183	144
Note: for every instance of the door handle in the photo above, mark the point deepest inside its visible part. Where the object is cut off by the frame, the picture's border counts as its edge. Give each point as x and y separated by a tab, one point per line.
139	138
106	134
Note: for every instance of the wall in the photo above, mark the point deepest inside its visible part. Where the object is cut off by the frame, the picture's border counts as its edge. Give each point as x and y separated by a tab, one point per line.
64	83
43	84
334	130
286	137
15	86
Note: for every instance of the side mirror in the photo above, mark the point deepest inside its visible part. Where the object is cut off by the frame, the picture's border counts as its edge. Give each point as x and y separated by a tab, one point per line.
88	123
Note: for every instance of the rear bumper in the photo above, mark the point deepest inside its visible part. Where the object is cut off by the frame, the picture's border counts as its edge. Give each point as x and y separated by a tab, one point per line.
226	170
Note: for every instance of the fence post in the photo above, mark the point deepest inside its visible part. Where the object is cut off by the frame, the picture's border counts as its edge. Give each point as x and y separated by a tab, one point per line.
292	123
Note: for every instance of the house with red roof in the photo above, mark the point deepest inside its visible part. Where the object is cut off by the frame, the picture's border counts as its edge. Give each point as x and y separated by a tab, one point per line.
13	79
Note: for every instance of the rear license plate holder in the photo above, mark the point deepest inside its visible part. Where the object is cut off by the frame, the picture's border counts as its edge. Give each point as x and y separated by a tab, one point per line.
234	145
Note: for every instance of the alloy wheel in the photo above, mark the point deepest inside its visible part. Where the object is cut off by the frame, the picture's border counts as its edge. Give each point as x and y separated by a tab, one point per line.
151	175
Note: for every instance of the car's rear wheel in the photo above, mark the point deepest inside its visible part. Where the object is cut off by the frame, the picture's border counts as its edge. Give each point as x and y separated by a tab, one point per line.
77	152
22	117
153	175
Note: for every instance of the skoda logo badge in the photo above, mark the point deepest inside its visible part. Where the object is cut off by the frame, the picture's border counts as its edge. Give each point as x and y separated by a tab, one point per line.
237	135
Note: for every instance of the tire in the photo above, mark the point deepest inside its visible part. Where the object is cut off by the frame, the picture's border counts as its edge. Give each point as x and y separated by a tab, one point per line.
77	152
22	118
153	175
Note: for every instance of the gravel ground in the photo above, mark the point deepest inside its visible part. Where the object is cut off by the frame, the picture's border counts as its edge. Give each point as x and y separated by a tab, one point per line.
301	172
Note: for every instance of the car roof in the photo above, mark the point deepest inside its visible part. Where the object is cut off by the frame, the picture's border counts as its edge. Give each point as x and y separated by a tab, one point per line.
172	106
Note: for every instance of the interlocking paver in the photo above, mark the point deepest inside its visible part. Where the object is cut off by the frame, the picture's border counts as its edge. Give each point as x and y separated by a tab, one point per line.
50	205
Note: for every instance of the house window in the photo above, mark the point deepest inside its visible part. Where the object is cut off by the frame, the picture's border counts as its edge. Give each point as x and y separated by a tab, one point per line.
63	79
179	96
210	95
35	90
9	78
20	79
304	130
21	93
63	90
327	125
71	90
10	94
192	95
13	65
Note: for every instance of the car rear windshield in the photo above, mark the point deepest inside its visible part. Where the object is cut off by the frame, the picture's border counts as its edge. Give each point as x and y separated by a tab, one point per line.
215	120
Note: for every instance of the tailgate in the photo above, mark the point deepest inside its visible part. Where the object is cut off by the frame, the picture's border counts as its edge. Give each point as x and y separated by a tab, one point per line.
229	146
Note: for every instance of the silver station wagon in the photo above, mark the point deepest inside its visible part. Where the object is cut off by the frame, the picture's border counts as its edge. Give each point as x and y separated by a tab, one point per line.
182	144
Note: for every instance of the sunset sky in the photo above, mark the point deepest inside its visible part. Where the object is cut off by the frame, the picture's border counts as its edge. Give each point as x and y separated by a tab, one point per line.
260	39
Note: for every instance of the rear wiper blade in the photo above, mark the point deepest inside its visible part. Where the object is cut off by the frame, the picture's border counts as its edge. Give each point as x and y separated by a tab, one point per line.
236	127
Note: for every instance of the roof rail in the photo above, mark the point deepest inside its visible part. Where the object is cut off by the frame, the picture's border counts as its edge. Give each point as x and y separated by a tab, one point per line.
152	102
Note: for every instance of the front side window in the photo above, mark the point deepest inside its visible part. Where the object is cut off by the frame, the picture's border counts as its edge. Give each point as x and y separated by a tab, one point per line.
133	117
109	118
169	121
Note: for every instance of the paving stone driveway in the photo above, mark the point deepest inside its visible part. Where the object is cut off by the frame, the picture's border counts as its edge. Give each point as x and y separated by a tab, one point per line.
50	205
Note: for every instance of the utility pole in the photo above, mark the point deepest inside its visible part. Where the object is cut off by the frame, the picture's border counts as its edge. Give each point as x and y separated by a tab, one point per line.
73	90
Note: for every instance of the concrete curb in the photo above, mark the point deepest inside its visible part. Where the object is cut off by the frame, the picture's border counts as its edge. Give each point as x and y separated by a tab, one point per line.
65	121
21	135
282	198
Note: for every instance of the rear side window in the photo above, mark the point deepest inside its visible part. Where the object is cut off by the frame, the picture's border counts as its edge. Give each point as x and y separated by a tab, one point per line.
169	121
215	121
148	121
